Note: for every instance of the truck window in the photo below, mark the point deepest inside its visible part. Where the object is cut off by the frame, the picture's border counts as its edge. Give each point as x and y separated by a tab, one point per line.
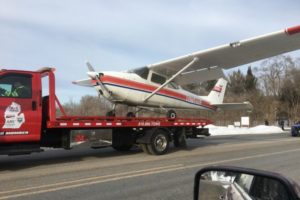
158	79
15	86
244	181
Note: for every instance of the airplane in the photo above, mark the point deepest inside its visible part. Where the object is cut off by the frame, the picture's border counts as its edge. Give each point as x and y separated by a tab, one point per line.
161	84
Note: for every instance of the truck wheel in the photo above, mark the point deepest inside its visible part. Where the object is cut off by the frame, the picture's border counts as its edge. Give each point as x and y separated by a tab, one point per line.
144	148
159	143
180	140
171	114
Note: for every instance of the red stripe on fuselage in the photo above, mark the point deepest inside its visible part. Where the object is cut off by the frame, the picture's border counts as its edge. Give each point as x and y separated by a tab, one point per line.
142	86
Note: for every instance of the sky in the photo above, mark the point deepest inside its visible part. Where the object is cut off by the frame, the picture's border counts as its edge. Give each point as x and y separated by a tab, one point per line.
118	35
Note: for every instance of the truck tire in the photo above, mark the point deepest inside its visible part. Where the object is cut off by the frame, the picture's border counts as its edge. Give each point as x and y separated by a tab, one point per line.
144	148
180	139
159	142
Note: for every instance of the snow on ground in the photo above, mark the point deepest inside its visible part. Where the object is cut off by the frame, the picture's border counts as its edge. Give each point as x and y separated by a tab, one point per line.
231	130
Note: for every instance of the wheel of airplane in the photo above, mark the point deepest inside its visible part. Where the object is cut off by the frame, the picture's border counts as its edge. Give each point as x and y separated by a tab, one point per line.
130	114
111	113
171	114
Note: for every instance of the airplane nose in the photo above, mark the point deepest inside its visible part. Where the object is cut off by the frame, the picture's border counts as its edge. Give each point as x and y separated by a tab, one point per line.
92	75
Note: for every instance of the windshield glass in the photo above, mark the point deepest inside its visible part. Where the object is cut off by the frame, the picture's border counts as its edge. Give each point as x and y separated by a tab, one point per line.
142	72
15	85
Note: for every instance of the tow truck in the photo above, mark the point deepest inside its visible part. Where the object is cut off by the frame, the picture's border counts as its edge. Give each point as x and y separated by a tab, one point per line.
29	123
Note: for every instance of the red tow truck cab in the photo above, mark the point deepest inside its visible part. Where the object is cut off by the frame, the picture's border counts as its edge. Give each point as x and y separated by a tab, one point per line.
20	116
28	120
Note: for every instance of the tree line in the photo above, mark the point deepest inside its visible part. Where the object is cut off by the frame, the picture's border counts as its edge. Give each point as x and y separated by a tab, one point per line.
272	88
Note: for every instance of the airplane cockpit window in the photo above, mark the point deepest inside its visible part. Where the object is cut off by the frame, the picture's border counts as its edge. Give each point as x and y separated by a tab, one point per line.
158	79
142	72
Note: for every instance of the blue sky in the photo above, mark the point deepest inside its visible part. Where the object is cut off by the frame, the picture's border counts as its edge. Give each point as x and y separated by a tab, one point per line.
118	35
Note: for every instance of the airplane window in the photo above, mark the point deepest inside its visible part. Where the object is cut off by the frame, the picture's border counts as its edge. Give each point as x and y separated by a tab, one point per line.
158	79
173	85
142	72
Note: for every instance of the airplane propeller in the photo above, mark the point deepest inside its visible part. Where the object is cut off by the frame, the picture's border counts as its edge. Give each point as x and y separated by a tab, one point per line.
90	67
96	76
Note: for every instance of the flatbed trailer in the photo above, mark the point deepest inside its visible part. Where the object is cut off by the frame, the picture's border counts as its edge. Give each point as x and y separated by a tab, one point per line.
29	121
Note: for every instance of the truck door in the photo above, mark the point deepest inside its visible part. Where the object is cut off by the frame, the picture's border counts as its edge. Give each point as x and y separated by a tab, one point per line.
20	107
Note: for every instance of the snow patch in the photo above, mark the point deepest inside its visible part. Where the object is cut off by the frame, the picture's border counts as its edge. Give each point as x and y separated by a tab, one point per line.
231	130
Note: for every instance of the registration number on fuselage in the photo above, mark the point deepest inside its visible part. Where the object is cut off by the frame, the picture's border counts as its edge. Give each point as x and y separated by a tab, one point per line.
193	100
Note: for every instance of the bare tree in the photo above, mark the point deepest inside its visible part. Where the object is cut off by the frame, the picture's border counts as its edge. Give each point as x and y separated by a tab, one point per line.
290	94
272	72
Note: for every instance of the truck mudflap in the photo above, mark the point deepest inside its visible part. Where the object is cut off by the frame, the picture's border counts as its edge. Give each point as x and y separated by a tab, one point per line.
56	138
198	132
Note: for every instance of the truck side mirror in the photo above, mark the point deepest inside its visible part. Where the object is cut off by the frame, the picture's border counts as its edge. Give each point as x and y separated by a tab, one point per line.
235	183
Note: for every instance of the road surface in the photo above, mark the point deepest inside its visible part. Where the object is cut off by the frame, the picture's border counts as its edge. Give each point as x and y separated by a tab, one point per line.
107	174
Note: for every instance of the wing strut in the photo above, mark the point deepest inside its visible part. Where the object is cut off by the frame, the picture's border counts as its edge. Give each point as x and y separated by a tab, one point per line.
195	59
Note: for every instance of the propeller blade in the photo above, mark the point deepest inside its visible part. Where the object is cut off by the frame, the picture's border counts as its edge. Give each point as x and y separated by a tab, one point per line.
90	67
96	76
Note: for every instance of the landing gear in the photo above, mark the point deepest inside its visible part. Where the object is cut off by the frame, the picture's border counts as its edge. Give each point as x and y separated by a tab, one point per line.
130	114
111	113
171	114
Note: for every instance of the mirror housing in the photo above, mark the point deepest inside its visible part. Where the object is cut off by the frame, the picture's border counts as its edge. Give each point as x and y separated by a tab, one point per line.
226	178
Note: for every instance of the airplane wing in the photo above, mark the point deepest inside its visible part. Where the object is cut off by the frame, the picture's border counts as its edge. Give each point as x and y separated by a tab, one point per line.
235	106
205	74
230	55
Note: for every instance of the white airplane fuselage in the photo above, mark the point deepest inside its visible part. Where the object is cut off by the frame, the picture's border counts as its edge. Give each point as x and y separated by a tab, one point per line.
131	89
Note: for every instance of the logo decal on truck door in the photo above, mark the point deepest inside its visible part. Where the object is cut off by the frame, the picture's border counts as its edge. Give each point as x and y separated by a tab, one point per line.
13	116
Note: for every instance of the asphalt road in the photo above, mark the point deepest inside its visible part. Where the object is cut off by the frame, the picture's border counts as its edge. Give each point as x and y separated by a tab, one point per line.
107	174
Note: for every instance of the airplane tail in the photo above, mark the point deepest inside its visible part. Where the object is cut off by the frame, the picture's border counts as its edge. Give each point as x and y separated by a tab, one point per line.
216	96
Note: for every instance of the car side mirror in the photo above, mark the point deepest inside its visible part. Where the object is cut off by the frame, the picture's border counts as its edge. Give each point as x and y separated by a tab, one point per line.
235	183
